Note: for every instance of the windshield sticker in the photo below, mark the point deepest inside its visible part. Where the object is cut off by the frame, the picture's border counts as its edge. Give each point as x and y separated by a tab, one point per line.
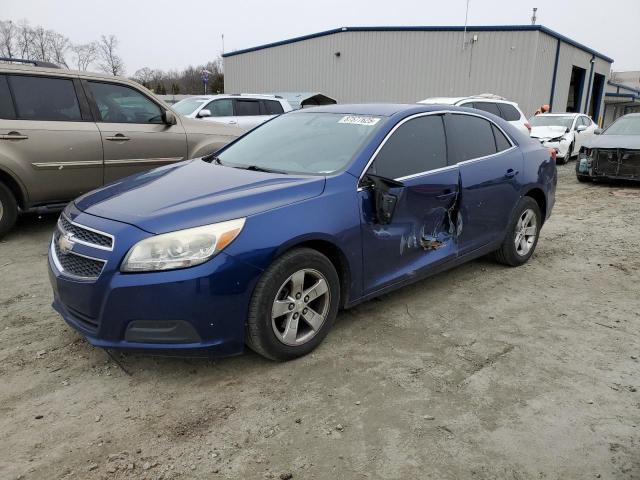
355	120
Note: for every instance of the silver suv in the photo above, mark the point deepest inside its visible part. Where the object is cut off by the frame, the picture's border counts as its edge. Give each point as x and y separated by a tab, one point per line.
64	133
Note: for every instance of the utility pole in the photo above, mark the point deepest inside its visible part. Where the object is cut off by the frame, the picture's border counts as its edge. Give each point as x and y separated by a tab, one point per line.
534	17
466	18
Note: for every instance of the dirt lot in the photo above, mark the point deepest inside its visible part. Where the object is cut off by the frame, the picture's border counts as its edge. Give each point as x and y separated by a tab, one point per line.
483	372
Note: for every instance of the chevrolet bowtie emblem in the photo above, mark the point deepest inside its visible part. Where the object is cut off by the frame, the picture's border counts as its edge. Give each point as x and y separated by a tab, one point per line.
65	244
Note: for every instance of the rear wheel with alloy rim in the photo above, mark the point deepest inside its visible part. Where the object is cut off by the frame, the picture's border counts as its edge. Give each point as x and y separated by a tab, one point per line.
8	210
522	234
293	305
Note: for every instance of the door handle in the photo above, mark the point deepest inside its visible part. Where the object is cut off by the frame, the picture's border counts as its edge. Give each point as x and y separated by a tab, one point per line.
232	122
118	137
13	136
511	173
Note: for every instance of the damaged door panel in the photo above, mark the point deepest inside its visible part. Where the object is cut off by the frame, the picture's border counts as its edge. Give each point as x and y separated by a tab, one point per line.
422	232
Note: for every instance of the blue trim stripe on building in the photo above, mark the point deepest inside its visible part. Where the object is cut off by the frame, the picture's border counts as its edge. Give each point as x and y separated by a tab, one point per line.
481	28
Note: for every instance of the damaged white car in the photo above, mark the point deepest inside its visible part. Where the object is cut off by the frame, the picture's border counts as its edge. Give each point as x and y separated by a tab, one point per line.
564	132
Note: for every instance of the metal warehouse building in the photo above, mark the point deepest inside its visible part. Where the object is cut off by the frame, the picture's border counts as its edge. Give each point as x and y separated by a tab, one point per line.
529	64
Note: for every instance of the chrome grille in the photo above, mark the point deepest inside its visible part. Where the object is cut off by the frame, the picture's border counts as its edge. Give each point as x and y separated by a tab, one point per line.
85	235
75	265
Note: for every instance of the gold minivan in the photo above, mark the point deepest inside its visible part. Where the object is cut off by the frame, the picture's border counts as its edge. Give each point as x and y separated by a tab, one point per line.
64	132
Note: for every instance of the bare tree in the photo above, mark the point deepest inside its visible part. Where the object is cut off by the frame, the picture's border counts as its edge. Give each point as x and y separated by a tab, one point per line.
8	39
58	47
25	39
84	55
41	44
110	61
144	76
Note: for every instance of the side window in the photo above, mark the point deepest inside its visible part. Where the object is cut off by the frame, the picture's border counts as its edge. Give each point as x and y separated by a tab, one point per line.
586	121
417	146
501	141
120	104
271	107
488	107
44	98
6	104
468	137
245	108
221	108
509	112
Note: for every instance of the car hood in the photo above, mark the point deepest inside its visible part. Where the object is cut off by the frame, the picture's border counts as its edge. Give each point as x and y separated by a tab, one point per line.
630	142
548	132
194	193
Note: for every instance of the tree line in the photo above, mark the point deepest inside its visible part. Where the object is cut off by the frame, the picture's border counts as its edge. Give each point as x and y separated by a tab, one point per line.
22	40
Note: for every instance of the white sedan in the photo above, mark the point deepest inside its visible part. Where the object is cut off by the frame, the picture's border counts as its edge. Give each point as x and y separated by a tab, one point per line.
564	132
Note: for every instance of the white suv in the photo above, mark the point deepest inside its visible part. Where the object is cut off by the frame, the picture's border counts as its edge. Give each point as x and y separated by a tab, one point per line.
503	108
244	110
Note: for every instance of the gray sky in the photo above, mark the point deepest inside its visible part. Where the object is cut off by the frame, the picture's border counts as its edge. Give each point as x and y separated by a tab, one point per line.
175	33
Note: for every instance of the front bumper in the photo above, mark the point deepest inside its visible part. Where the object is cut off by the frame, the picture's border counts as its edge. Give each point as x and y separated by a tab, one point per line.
202	307
561	147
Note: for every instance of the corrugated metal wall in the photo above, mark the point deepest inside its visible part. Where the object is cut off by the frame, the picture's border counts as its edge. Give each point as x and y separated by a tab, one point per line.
407	66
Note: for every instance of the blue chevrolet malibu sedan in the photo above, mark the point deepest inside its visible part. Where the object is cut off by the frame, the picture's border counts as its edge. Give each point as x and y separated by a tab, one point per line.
319	209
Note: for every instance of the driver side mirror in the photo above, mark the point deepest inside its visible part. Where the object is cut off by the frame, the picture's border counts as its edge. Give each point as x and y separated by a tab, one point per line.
581	128
384	201
169	118
205	112
597	131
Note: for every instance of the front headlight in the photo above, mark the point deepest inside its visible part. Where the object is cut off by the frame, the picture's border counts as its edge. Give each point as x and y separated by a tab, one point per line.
181	249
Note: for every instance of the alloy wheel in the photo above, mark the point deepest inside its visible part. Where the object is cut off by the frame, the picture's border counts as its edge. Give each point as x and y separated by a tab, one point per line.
301	307
526	232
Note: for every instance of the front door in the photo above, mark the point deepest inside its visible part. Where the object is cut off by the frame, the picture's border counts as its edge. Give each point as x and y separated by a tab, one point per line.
421	232
49	140
134	135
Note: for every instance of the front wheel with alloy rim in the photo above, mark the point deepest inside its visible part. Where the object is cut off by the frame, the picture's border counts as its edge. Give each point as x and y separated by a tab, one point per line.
293	306
522	234
8	210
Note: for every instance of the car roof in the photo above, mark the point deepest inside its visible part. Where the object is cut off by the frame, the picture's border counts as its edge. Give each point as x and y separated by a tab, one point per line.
379	109
567	114
485	97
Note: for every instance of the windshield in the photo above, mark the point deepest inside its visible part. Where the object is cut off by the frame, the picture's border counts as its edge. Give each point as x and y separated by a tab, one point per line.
307	143
624	126
188	105
551	121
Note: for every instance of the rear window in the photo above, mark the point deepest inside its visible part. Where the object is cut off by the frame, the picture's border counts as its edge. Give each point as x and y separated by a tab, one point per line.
509	112
272	107
468	137
6	105
245	108
501	141
43	98
488	107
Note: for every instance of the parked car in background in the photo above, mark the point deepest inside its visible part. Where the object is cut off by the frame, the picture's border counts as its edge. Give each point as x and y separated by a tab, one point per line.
63	133
503	108
245	110
318	209
565	132
613	154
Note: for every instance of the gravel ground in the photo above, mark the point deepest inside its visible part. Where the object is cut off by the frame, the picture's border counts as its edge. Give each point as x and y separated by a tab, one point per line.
482	372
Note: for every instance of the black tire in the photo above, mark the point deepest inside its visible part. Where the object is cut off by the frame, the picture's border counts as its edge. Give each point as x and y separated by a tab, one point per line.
259	333
507	253
569	155
561	160
8	210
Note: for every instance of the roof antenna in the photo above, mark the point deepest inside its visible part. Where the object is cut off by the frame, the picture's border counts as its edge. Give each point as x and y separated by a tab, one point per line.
464	35
534	17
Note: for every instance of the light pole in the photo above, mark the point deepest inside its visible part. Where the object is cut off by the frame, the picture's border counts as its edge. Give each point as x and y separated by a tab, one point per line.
205	79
